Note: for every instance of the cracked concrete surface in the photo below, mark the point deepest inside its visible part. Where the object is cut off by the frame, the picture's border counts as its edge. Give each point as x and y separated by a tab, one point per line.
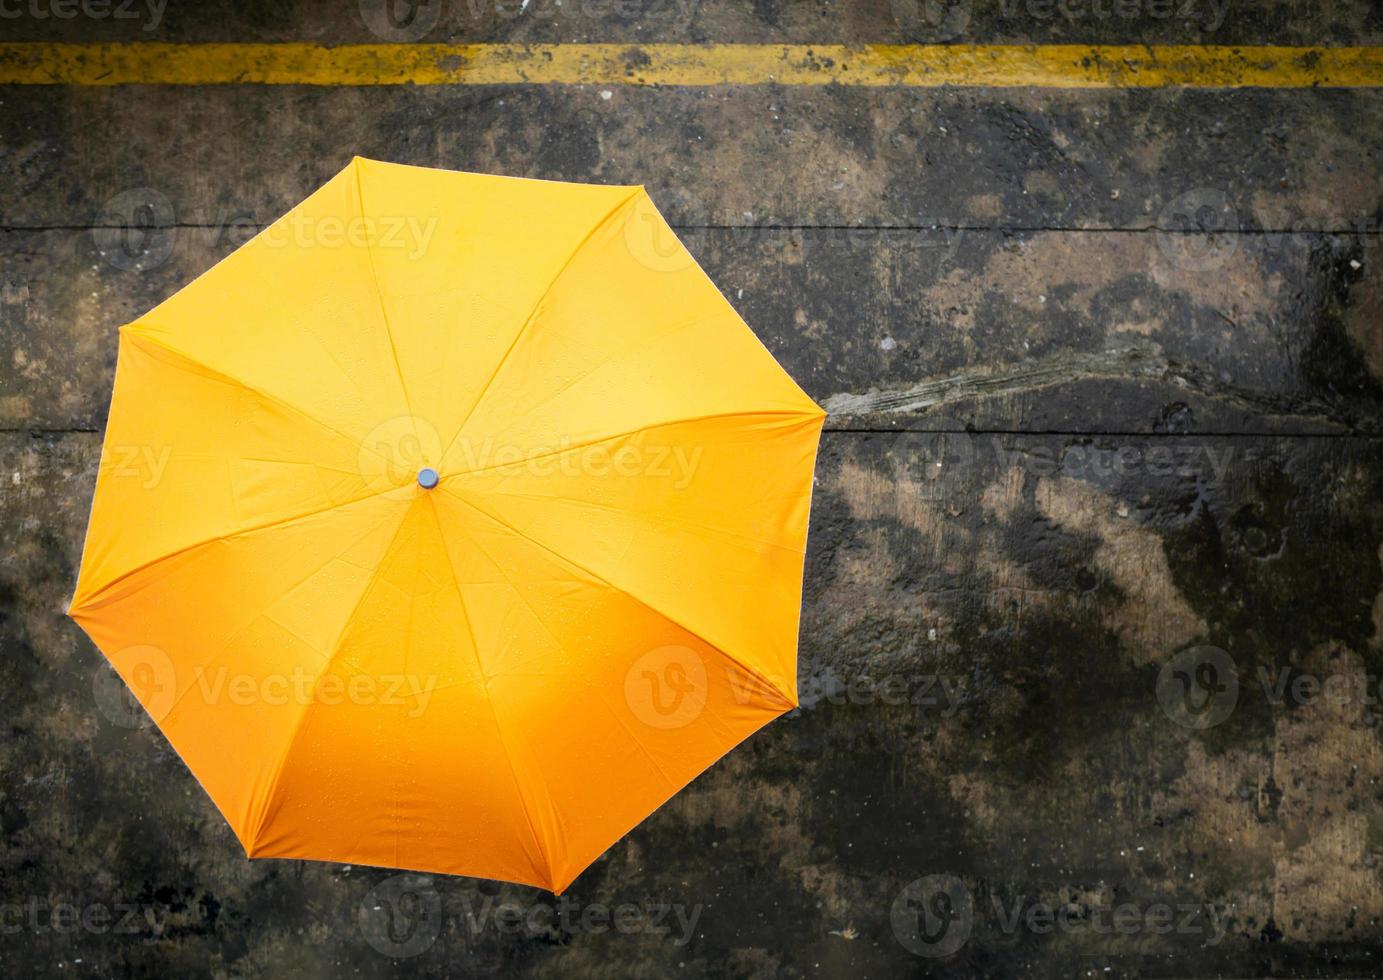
1105	374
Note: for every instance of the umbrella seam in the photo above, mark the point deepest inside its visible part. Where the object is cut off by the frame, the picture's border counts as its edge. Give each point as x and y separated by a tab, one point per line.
700	771
532	315
490	703
542	623
165	723
605	701
206	370
379	296
271	792
394	770
661	518
642	343
712	283
559	826
752	672
225	647
93	600
643	428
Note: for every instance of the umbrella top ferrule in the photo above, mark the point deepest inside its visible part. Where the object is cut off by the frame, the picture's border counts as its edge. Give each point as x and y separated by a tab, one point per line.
427	478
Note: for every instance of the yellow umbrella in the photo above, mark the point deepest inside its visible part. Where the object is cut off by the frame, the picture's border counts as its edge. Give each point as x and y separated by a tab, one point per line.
454	523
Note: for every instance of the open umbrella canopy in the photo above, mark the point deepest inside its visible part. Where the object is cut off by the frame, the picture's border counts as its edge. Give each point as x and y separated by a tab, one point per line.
453	523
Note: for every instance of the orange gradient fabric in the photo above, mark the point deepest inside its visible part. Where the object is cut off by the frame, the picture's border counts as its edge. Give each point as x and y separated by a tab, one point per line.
498	675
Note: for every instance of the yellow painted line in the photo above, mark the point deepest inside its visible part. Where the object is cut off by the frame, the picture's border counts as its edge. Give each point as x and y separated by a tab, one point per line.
1041	66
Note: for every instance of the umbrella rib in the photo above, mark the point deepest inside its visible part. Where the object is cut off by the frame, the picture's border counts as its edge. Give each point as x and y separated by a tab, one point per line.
186	362
532	315
645	341
490	703
517	591
271	790
713	416
92	600
633	737
665	519
766	682
379	295
226	646
406	645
